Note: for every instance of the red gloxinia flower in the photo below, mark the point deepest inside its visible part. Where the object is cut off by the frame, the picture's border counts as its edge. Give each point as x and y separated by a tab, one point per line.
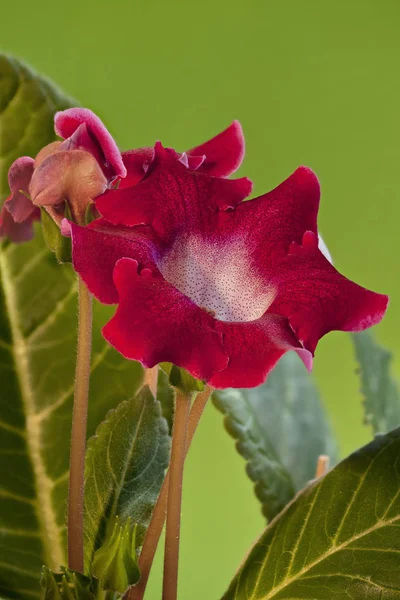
216	285
83	165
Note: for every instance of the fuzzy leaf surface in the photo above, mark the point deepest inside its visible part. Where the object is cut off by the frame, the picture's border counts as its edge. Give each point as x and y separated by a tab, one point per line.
379	389
338	539
125	467
280	429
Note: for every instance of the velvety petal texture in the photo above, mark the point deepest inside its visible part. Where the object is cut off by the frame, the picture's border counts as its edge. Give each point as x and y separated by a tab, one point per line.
220	156
167	328
19	176
172	198
18	213
254	348
14	231
73	175
98	247
137	163
317	299
68	122
223	154
214	283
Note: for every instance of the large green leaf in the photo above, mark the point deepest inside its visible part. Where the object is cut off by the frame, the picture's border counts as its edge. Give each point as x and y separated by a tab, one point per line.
125	467
281	429
381	395
338	539
37	352
27	105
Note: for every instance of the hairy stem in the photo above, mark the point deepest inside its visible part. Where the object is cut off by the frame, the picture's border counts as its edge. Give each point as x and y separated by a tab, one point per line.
78	434
151	379
158	518
174	502
322	466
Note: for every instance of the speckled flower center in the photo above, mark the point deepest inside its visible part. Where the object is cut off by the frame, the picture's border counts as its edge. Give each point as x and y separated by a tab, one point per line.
217	277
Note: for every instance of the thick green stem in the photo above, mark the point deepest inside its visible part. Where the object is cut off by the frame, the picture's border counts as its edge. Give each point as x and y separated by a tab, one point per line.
172	534
78	433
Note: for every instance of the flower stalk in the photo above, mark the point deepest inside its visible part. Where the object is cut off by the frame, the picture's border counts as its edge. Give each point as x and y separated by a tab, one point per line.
160	510
151	379
78	433
174	503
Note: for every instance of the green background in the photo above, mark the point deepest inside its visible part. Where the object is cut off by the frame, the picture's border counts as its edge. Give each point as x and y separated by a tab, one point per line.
312	82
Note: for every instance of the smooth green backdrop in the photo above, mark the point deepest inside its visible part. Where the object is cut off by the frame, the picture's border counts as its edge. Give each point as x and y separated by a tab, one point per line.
313	82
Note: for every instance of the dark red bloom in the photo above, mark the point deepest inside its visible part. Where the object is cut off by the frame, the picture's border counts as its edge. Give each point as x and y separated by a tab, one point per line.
216	285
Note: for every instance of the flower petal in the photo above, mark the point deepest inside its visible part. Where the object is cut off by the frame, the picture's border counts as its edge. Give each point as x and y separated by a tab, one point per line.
223	153
137	163
96	249
253	348
171	197
67	122
155	323
17	232
193	162
72	175
81	140
317	299
271	222
19	177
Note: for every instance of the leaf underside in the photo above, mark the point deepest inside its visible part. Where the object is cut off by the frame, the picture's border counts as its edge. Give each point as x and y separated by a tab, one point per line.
281	429
338	539
380	391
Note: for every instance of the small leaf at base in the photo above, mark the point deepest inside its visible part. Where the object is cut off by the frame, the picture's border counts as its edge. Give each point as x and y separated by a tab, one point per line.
67	585
125	467
115	564
181	379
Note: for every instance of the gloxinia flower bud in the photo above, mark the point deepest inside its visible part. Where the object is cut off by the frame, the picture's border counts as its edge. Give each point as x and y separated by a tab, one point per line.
73	176
115	564
75	170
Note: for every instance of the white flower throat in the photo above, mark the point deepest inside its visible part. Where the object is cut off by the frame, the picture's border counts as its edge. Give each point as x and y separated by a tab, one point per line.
217	277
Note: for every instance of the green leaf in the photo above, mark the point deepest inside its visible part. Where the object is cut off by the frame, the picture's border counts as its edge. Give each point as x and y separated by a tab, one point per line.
338	539
125	467
281	429
115	563
27	105
181	379
381	395
37	352
60	245
67	585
